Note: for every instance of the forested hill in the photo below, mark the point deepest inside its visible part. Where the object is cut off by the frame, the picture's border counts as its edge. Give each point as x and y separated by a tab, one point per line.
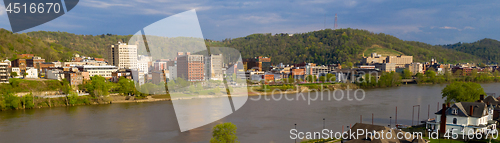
487	49
13	44
342	45
322	47
88	45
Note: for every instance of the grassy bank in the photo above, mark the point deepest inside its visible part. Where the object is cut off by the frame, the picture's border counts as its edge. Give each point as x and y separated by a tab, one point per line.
27	85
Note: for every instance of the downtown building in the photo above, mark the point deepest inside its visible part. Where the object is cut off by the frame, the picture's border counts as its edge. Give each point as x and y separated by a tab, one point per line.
4	74
122	55
190	67
213	67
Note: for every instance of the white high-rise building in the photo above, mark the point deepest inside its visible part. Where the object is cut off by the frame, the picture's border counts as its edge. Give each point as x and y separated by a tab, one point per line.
213	67
173	72
123	56
143	63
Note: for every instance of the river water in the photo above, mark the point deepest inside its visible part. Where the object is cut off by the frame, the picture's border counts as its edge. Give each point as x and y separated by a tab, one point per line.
257	121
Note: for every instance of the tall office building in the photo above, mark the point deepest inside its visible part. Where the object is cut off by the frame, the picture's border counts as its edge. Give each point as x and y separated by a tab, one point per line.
190	67
123	55
213	67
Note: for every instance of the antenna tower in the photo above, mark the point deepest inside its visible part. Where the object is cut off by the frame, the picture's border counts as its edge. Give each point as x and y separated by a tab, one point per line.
335	27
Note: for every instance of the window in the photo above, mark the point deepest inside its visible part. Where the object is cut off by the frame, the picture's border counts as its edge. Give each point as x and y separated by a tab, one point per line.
455	121
454	111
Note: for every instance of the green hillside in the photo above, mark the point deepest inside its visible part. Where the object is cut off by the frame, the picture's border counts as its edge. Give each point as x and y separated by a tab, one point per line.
342	45
13	44
381	51
322	47
89	45
487	49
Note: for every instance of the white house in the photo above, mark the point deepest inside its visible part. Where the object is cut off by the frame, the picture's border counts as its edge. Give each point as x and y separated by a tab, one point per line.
31	72
463	116
16	70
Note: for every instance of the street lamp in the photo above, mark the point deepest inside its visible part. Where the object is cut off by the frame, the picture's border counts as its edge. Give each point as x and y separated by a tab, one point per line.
323	123
390	122
295	129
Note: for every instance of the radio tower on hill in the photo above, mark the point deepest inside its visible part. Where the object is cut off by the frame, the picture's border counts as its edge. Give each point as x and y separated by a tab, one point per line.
335	26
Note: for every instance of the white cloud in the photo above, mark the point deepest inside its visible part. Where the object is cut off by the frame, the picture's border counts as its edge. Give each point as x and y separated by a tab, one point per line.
350	3
2	10
262	19
455	28
101	4
448	27
468	27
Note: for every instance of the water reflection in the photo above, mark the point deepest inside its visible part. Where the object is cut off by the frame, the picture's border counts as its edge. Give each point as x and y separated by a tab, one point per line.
257	121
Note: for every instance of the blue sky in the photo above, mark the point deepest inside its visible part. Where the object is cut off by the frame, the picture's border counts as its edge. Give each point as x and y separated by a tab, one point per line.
434	22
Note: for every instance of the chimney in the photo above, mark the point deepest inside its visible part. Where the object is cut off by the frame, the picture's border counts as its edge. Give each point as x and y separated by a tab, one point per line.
442	127
481	97
471	110
448	104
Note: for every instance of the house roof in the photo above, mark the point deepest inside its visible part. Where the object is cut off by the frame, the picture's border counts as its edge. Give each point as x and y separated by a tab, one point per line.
491	100
463	109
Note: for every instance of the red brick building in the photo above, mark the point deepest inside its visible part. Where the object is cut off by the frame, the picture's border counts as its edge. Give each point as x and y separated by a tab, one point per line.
21	63
35	62
191	67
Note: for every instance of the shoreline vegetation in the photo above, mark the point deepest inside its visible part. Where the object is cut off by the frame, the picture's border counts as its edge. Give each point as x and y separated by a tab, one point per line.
20	93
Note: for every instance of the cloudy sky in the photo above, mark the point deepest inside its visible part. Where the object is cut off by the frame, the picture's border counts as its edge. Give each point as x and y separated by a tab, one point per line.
434	22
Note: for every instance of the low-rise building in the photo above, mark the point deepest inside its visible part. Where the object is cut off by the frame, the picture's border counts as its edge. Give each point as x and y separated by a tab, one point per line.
159	77
415	68
17	71
56	74
138	76
126	73
76	78
21	63
4	75
386	67
298	73
104	71
31	72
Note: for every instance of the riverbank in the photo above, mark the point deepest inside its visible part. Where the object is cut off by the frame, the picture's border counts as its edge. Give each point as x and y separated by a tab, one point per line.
26	101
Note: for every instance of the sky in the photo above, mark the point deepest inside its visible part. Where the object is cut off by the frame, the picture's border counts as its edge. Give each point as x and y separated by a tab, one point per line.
433	22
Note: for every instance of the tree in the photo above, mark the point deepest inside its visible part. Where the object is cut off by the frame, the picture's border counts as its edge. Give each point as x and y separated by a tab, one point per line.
72	98
407	74
216	90
224	133
331	77
420	78
462	92
13	74
66	87
311	78
323	79
448	76
126	86
27	101
97	86
430	74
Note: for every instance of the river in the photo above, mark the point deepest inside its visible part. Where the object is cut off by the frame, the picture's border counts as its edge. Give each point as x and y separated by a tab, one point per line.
257	121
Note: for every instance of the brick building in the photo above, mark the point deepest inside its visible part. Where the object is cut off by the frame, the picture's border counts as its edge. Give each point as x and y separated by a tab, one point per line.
191	67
